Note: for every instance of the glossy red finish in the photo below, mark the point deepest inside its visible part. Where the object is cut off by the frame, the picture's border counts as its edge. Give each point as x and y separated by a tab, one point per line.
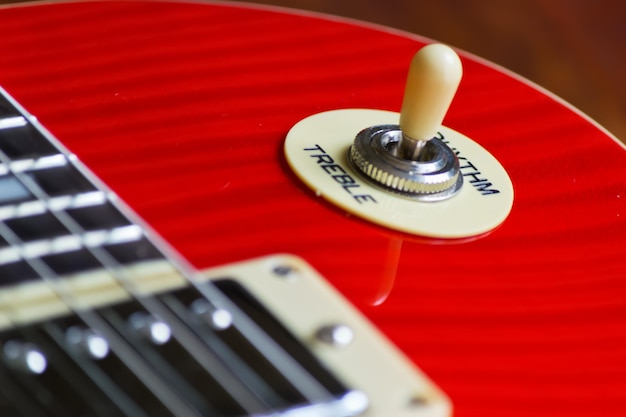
183	108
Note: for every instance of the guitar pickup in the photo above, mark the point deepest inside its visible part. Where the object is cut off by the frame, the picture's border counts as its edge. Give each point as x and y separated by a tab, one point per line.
338	335
294	348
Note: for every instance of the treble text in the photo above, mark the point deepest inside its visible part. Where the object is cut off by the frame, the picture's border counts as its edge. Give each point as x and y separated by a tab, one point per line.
339	175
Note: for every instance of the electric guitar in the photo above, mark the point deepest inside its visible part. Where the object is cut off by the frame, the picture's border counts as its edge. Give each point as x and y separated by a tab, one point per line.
159	255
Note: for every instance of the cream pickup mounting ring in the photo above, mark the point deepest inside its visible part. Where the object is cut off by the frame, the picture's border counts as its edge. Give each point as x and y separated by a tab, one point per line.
405	171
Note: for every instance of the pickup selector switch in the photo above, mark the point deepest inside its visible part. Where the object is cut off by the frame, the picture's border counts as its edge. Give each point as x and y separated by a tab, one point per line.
405	171
407	158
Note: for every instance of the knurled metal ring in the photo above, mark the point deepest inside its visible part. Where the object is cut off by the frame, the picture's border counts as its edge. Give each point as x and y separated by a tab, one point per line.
435	177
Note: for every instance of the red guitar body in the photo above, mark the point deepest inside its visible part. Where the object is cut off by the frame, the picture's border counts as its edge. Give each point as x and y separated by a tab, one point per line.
182	109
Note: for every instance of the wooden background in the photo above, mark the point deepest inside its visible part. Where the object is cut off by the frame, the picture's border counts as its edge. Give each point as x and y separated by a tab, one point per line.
575	48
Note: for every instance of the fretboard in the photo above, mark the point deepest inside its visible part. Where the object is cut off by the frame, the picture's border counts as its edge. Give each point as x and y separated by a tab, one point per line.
190	348
52	210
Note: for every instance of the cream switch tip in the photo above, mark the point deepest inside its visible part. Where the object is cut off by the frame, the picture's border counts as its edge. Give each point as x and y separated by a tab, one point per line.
434	76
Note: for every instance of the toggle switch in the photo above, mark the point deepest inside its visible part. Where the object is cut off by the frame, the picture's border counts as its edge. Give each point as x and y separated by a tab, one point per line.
405	171
406	158
434	76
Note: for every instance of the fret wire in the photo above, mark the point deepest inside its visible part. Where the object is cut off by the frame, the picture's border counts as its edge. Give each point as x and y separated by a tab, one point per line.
249	400
130	358
29	208
25	209
12	122
34	164
69	242
126	354
310	388
293	371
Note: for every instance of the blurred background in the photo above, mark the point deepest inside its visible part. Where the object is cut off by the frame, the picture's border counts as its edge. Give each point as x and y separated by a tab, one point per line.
574	48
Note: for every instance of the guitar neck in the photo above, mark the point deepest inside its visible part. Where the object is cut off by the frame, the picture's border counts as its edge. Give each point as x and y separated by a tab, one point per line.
93	303
85	268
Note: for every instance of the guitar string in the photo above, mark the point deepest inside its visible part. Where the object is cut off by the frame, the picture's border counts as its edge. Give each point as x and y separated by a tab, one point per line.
292	370
53	338
122	349
227	379
169	371
130	358
311	389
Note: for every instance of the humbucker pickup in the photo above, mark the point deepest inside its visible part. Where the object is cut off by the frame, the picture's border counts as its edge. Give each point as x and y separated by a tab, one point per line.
189	359
101	318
